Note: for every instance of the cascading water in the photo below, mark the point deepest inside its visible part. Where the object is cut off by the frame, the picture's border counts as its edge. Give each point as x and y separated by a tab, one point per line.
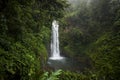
56	61
55	52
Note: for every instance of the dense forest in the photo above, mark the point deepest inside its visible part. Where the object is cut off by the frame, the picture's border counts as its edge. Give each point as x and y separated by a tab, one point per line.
89	32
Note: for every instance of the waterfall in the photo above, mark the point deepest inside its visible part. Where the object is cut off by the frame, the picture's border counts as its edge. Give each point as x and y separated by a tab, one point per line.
55	52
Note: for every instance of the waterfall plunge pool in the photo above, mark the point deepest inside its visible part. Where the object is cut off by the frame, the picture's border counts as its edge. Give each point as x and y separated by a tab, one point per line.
58	62
67	64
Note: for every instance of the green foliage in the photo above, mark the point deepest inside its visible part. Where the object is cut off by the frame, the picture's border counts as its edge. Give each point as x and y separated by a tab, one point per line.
72	76
20	61
52	76
99	25
70	40
67	75
24	36
105	55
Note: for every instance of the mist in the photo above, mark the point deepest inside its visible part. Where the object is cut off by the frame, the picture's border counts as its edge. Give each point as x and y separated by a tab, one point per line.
78	2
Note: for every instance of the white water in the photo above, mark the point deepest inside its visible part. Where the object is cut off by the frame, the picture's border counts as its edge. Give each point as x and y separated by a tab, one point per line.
55	52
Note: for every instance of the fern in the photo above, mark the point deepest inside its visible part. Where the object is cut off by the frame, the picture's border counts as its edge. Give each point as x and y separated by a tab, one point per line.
52	76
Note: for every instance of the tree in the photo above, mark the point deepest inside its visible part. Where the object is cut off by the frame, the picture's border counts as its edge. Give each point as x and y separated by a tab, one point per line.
24	31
